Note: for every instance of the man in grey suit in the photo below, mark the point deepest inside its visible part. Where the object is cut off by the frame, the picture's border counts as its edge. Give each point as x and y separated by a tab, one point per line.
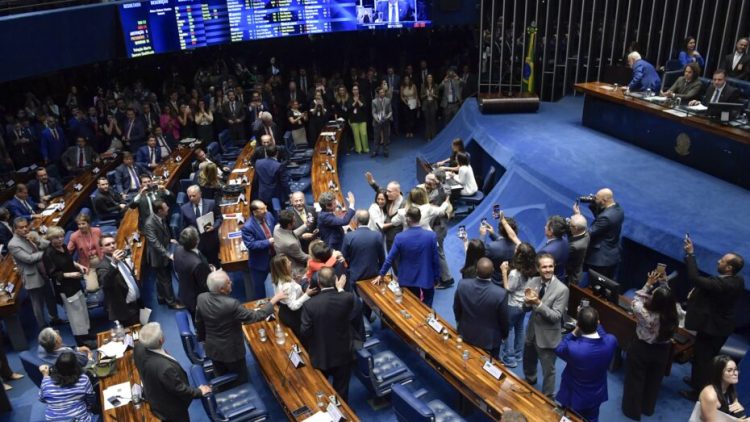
286	241
548	299
27	250
578	243
156	230
381	122
481	310
218	320
450	89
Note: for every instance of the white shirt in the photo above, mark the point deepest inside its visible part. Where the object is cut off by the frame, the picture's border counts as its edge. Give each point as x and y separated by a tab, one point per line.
295	296
736	59
466	178
377	217
428	213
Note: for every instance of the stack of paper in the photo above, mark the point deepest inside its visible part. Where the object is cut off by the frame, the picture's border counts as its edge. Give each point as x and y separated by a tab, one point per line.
120	391
114	349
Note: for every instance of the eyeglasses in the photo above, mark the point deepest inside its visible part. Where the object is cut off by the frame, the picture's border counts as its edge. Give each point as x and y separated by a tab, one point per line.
732	370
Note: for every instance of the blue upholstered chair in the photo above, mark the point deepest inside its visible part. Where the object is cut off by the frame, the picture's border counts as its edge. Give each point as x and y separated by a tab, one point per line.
380	369
465	204
241	403
193	348
413	405
30	363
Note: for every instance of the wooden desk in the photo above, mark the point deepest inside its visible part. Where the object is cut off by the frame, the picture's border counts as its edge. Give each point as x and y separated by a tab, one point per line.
621	324
294	388
320	178
487	393
126	372
232	258
129	222
711	147
74	201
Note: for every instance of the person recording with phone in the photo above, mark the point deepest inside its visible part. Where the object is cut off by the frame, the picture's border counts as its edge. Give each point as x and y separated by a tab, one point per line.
148	193
604	249
499	248
710	312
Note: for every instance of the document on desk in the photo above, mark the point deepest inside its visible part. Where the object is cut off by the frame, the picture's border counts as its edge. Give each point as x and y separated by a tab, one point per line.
119	391
240	170
676	112
114	349
699	107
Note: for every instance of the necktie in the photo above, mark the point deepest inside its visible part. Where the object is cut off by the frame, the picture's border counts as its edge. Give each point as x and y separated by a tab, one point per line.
542	290
130	128
133	292
54	133
716	95
81	160
450	91
197	211
267	233
303	216
164	144
28	207
153	156
231	107
44	189
134	178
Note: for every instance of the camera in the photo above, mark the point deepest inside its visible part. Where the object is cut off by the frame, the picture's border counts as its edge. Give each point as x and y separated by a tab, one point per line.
153	187
587	199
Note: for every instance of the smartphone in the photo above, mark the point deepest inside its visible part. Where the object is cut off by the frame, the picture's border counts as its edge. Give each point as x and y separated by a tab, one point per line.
687	236
661	268
496	211
484	222
462	232
114	400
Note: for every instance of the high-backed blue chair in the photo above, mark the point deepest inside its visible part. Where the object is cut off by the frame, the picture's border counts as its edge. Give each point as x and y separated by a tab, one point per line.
471	201
380	369
412	405
743	388
193	348
30	362
241	403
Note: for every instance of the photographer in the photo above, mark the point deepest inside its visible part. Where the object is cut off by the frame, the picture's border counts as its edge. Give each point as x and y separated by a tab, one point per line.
150	191
450	90
604	249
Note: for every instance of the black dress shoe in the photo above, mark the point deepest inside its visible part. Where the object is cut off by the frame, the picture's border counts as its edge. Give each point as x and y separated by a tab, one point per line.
57	321
691	395
176	306
444	285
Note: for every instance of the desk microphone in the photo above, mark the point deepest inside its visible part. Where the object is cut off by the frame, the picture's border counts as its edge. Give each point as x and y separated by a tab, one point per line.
288	364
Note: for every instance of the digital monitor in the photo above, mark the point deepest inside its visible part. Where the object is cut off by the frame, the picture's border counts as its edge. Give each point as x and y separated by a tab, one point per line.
724	111
162	26
604	287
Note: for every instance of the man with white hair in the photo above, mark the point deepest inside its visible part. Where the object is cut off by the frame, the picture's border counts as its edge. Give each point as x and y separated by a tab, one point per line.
218	320
51	347
604	249
644	74
165	382
578	243
196	207
264	125
261	152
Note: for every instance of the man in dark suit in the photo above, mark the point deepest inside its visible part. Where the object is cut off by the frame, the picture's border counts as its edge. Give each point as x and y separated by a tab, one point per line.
202	156
273	179
6	232
395	11
264	125
266	141
258	239
326	331
192	268
44	188
382	115
737	63
556	244
218	320
21	205
234	113
719	91
419	261
149	155
331	225
122	297
292	94
304	215
710	312
165	143
587	352
603	253
157	232
578	244
79	157
106	204
53	141
363	250
481	310
133	130
198	206
144	200
150	118
498	248
127	176
255	108
165	383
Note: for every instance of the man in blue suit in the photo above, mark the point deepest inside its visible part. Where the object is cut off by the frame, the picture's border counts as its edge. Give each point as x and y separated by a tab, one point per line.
556	244
330	225
395	11
363	250
644	74
133	130
419	262
127	176
198	206
21	205
498	248
149	155
53	141
273	179
604	250
481	310
258	238
587	351
44	188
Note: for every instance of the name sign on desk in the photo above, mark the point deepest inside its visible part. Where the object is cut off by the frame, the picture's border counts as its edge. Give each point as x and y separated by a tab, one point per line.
334	413
177	158
10	287
234	235
78	187
435	324
296	358
492	370
95	170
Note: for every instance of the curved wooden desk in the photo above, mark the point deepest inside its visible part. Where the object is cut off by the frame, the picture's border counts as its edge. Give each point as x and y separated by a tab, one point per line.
230	253
320	176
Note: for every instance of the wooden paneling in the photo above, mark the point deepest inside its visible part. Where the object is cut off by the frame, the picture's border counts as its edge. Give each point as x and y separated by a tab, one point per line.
232	258
321	178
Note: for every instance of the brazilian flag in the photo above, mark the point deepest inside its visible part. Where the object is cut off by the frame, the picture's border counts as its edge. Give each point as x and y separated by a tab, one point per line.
527	83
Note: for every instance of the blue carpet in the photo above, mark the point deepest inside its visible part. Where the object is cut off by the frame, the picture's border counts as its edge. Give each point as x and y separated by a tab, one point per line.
549	159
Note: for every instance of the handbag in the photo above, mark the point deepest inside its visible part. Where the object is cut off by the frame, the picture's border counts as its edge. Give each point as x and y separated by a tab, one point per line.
91	279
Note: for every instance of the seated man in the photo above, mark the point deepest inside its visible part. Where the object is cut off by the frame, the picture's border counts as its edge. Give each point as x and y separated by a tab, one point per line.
644	74
127	174
149	155
78	158
719	91
44	188
202	156
21	205
51	347
106	204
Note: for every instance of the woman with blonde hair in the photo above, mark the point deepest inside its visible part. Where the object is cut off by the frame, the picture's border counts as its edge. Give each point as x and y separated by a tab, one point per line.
290	309
208	179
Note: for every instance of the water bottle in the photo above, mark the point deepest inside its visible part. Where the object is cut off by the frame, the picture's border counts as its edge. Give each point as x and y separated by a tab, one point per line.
280	337
399	295
136	393
119	331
